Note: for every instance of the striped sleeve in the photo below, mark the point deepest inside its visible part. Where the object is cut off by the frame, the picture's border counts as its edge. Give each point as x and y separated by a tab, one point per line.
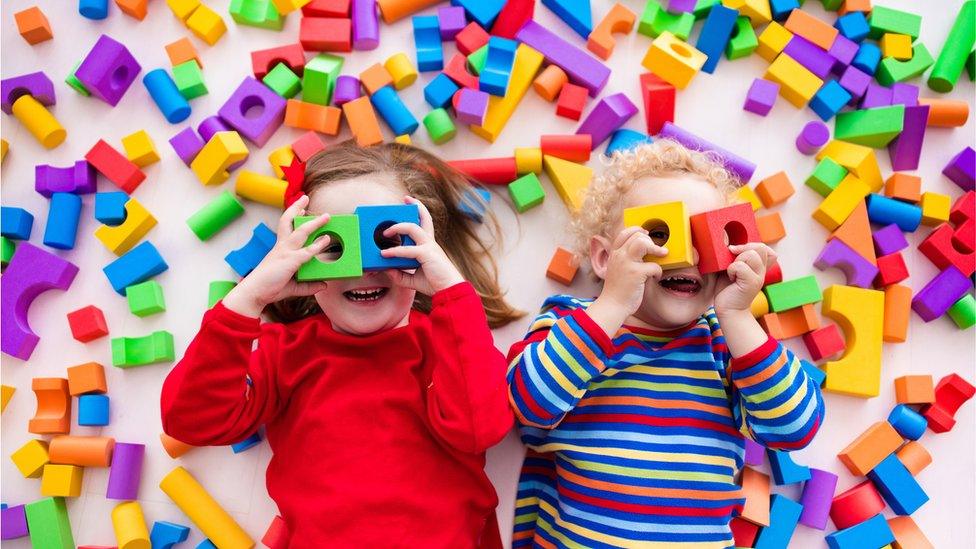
550	369
775	402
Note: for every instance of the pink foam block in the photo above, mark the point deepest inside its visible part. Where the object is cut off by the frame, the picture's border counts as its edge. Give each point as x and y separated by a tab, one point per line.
307	145
859	271
31	272
962	169
813	136
254	110
889	240
126	471
906	149
78	179
582	68
611	113
818	493
940	293
35	83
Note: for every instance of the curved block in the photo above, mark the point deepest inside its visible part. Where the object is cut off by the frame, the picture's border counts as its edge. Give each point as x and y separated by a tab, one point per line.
858	270
619	20
31	272
139	351
860	313
121	238
951	393
77	179
35	84
204	511
165	535
494	76
244	259
856	505
53	415
223	151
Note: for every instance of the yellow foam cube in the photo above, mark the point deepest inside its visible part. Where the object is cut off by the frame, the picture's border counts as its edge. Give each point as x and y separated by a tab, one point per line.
130	525
772	40
403	139
223	150
62	480
140	149
860	314
858	159
6	391
935	208
839	204
182	9
528	159
401	69
796	84
675	217
898	46
121	238
285	7
526	64
31	458
281	157
261	188
206	24
569	178
756	10
746	194
673	60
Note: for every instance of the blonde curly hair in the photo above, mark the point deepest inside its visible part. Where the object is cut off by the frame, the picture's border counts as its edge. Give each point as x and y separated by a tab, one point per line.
603	199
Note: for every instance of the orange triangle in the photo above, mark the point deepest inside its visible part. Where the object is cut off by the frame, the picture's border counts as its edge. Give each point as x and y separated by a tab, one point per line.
856	233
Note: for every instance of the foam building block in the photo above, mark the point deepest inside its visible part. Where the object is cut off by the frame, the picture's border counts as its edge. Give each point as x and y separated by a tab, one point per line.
569	178
244	259
13	522
225	149
83	451
793	293
35	84
53	414
857	270
373	220
709	230
325	34
115	166
824	342
108	70
897	486
345	230
31	458
914	456
138	264
907	534
17	223
659	97
909	423
951	393
164	535
167	96
624	140
860	314
87	378
571	102
963	312
361	116
870	448
562	267
427	39
715	35
249	96
319	78
122	237
129	525
784	514
526	192
944	249
79	178
581	68
791	323
673	60
811	56
619	20
740	167
873	532
439	125
139	351
87	324
609	114
253	440
785	470
500	109
140	149
961	169
914	389
575	13
145	298
906	149
575	148
935	298
856	505
829	100
47	520
193	499
935	208
490	171
891	269
215	215
774	189
889	240
796	83
673	218
818	492
755	489
93	410
33	25
761	97
125	471
187	144
471	106
841	202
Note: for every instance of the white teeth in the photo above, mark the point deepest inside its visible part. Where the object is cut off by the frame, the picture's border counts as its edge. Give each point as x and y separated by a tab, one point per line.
365	295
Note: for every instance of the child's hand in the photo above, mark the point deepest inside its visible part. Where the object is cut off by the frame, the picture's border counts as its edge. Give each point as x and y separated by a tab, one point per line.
436	271
745	277
273	279
627	273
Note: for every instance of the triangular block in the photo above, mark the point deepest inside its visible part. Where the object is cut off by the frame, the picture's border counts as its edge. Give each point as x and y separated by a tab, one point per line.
569	178
856	233
575	13
483	12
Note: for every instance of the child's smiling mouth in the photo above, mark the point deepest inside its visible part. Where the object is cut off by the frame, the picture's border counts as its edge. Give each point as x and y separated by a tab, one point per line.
680	284
366	295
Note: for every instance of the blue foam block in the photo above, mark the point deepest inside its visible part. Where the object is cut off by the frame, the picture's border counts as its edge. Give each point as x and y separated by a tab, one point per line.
483	12
829	100
206	544
715	35
247	443
784	513
93	9
244	259
784	469
63	215
909	423
93	410
427	39
439	91
780	9
165	535
392	109
897	486
110	207
166	95
373	220
494	76
626	139
867	58
137	265
575	13
885	211
853	26
813	371
873	532
16	223
474	202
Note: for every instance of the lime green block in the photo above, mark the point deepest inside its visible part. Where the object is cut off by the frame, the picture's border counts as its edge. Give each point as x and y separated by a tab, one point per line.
189	79
47	520
526	192
76	84
887	20
870	127
139	351
743	41
703	7
256	13
145	298
283	81
440	126
218	290
476	61
790	294
963	312
344	232
655	20
319	77
215	215
891	70
826	176
7	249
971	65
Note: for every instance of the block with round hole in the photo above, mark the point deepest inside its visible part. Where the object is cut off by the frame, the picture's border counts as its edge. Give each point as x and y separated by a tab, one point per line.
713	232
373	220
344	231
668	225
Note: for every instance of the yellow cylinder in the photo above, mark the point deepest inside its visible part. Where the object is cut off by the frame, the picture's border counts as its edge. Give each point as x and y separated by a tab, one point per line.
401	69
130	526
528	159
204	511
760	305
261	188
281	157
36	118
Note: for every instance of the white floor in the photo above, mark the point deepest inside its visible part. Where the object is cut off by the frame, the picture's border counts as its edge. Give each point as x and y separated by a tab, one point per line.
711	107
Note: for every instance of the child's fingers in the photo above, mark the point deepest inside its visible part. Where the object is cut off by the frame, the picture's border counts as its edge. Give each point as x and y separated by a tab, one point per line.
316	247
767	254
426	221
414	231
304	289
289	215
753	260
403	279
407	252
623	236
301	234
640	245
652	271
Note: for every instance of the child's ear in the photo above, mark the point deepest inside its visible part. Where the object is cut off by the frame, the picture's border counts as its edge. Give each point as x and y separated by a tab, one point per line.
599	255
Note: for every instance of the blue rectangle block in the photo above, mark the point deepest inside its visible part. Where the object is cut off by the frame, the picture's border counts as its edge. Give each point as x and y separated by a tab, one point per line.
784	513
784	469
396	114
867	58
62	221
247	443
439	91
164	535
873	532
829	100
897	486
715	35
110	207
16	223
373	220
137	265
93	410
853	26
427	39
474	202
494	76
575	13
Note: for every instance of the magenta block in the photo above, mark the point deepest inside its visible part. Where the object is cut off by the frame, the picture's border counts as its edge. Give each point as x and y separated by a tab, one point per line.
856	82
13	522
31	272
452	21
582	68
740	167
471	106
365	25
611	113
761	96
186	144
859	271
904	94
126	471
254	110
679	6
80	178
842	51
347	88
876	96
754	452
35	83
962	169
889	240
108	70
938	295
906	149
809	55
818	492
813	136
211	125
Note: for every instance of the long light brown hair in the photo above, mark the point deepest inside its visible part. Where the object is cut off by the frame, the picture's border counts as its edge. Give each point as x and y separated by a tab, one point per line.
442	189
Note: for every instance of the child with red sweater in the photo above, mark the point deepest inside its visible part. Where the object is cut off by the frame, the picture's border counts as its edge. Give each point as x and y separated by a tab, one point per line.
380	394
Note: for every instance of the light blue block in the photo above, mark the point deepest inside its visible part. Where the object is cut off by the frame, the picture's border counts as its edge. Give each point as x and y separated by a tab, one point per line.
494	77
439	91
813	371
137	265
625	139
474	202
784	513
873	532
784	469
427	40
164	535
853	26
206	544
373	220
63	215
780	9
93	410
829	100
483	12
110	207
885	211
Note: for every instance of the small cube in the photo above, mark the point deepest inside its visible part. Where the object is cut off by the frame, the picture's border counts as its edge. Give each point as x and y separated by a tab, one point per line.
917	389
182	51
31	458
87	379
775	189
87	324
771	228
33	25
572	100
189	79
898	46
761	96
935	208
93	410
526	192
824	342
563	266
471	106
61	480
145	298
139	148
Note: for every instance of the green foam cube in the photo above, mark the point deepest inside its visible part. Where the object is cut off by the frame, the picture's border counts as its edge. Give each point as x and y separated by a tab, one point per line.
344	231
189	79
50	528
145	298
283	81
139	351
526	192
218	290
791	294
870	127
826	176
963	312
743	41
256	13
319	77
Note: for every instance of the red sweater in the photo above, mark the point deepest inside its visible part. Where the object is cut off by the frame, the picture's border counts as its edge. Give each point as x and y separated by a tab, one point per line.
378	441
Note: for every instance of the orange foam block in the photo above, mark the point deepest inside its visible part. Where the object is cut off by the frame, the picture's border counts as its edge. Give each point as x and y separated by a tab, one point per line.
914	457
869	449
620	19
563	266
362	121
174	448
33	25
82	451
182	51
775	189
919	389
945	113
310	116
550	82
136	9
802	23
904	187
375	77
897	313
860	314
755	489
907	534
53	415
792	322
855	231
771	228
87	378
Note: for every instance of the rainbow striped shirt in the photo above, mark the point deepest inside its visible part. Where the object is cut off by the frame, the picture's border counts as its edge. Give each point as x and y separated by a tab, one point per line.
636	442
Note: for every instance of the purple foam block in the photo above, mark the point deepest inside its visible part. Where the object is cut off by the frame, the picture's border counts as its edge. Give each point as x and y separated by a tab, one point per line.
754	452
813	136
906	149
80	178
859	271
938	295
254	110
365	25
108	70
211	125
186	144
842	51
962	169
856	82
452	21
347	88
810	55
13	522
761	96
126	471
904	94
471	106
31	272
35	83
679	6
611	113
876	96
818	492
582	68
889	240
740	167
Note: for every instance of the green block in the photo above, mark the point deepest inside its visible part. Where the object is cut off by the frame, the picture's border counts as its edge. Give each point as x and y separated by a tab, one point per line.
145	298
891	70
476	61
215	215
971	65
826	176
76	84
791	294
655	20
7	249
955	50
703	7
256	13
344	231
887	20
50	528
526	192
440	126
743	41
139	351
870	127
283	81
318	80
189	79
218	290
963	312
832	5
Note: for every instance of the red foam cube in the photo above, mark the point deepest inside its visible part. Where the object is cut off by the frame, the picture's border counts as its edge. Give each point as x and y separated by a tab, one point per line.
87	324
658	102
325	34
824	342
471	38
572	100
713	232
891	270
